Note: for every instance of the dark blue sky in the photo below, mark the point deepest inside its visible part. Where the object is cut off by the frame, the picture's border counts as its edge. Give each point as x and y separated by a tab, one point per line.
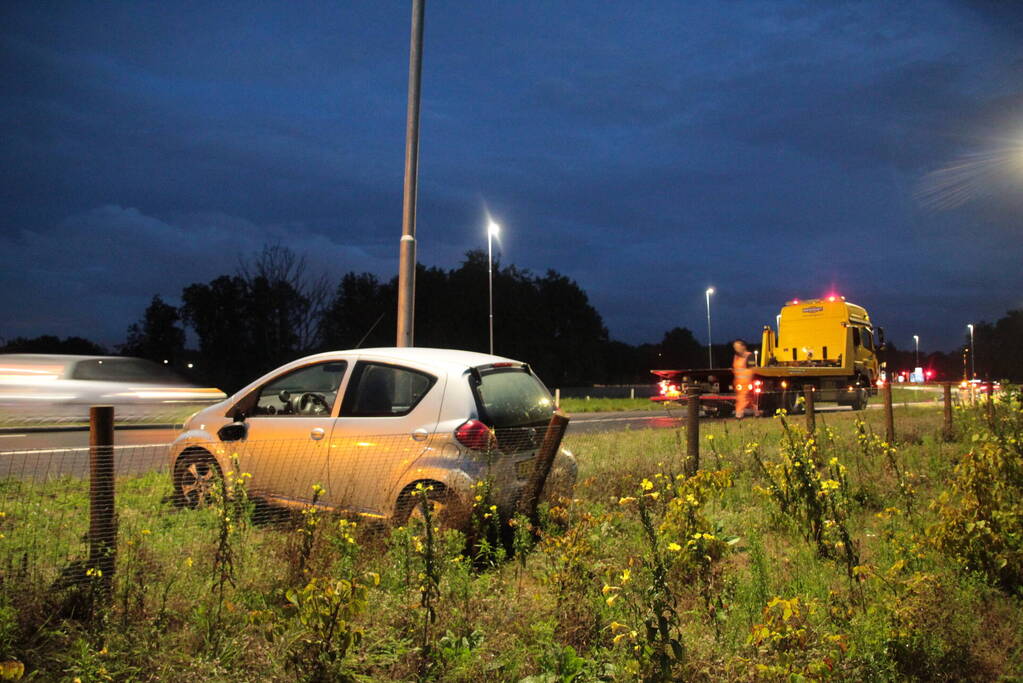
647	150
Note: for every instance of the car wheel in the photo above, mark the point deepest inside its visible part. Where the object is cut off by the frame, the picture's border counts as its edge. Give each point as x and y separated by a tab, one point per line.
446	509
196	476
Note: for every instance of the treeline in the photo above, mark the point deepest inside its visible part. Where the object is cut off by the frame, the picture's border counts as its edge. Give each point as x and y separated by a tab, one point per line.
997	346
273	310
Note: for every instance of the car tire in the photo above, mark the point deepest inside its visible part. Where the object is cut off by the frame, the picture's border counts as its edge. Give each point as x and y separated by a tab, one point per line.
445	507
196	476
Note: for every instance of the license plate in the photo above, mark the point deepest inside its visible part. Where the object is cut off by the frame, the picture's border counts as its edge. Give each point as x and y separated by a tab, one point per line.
524	469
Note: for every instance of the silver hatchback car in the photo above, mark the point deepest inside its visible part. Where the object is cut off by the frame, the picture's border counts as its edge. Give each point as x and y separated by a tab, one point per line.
365	427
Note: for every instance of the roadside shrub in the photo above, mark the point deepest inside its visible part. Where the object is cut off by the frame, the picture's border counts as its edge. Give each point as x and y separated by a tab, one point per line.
933	624
980	514
324	628
679	547
793	643
816	496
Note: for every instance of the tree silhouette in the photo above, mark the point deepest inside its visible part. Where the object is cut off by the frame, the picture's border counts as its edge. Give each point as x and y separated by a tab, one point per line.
48	343
157	336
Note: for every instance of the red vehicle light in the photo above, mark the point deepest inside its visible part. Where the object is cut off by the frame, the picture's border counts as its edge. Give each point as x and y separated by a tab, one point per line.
474	434
502	365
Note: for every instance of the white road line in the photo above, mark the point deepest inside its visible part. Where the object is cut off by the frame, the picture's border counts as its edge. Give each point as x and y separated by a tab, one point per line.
620	419
12	436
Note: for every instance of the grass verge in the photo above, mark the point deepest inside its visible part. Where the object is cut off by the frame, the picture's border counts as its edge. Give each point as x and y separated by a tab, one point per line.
786	557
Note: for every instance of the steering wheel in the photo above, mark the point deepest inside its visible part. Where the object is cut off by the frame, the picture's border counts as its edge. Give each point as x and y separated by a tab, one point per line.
313	404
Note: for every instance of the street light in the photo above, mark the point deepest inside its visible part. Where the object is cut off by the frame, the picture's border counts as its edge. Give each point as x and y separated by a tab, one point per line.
492	231
973	360
710	343
916	340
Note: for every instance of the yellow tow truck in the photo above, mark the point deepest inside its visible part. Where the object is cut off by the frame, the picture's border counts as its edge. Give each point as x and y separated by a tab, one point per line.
827	344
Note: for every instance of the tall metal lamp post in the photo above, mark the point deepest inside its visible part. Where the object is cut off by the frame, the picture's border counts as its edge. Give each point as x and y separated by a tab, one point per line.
973	358
710	342
493	229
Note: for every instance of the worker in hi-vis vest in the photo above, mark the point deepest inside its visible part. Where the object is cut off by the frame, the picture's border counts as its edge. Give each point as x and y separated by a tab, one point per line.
742	376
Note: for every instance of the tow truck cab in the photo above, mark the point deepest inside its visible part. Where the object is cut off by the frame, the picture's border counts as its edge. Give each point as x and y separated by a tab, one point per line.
823	333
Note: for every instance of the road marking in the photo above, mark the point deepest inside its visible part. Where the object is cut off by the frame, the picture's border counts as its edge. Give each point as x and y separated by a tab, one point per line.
624	419
11	436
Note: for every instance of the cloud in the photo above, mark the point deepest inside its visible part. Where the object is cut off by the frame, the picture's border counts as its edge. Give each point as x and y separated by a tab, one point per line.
96	271
769	148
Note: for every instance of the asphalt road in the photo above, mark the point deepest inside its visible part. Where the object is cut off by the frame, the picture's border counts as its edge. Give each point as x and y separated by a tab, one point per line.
41	455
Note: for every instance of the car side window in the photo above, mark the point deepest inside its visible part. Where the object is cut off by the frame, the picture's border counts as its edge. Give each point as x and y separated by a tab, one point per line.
868	339
381	390
856	336
308	391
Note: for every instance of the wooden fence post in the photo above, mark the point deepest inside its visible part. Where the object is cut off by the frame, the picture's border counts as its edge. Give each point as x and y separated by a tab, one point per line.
692	463
991	404
541	470
102	519
889	414
947	431
811	415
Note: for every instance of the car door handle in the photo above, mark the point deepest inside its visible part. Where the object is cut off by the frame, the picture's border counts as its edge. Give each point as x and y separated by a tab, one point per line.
420	434
317	434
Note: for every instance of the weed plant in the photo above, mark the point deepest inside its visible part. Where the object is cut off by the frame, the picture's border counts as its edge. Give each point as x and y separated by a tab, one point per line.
844	558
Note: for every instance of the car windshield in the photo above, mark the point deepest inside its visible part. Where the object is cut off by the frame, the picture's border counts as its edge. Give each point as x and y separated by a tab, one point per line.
514	398
124	370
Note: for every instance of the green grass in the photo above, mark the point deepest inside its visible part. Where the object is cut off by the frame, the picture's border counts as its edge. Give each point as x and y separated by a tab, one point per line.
602	405
555	611
904	395
574	406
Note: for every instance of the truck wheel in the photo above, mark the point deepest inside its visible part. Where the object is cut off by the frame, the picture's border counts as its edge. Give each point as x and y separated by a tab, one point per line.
768	405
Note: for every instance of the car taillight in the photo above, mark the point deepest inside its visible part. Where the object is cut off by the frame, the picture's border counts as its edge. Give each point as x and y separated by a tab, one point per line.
474	434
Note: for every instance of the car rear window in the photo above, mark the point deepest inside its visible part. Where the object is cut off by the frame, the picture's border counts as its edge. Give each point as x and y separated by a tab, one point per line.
124	370
513	398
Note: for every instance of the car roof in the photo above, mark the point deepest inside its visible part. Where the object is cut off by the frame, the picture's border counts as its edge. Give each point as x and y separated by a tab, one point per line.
450	359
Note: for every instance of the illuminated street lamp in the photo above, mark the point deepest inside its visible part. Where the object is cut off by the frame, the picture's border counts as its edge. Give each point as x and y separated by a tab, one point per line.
492	231
916	340
710	343
973	360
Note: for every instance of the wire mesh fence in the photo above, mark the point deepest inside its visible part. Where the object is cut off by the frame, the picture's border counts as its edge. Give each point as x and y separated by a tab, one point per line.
80	516
179	501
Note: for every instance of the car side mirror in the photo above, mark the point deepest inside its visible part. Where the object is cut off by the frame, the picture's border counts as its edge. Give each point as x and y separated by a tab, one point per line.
880	337
235	431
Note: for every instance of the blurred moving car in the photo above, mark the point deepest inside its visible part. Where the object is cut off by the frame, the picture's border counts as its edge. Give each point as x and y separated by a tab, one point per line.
62	385
367	426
